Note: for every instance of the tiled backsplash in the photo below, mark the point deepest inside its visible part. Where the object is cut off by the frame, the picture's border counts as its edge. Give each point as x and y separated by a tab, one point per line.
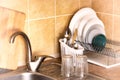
47	20
50	21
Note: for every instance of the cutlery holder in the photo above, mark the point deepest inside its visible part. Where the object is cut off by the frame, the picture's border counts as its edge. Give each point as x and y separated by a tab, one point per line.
67	50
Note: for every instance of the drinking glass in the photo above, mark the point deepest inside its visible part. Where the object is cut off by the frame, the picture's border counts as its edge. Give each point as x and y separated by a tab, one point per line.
67	66
81	68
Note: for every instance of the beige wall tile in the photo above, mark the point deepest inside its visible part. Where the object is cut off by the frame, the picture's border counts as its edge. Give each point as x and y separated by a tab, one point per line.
26	27
105	6
112	20
116	32
62	23
116	7
41	8
108	23
20	5
41	33
85	3
66	6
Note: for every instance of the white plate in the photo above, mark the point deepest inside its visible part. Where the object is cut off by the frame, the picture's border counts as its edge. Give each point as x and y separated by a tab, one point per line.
93	22
93	33
77	16
82	24
101	30
90	35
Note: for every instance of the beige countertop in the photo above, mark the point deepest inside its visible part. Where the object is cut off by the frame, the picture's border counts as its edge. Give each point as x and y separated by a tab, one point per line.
108	73
50	68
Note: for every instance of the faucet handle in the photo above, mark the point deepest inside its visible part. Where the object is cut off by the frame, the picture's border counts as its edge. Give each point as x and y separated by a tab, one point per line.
42	56
34	65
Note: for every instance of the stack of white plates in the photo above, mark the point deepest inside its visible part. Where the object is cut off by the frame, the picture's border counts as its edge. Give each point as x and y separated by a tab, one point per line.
88	25
91	29
76	19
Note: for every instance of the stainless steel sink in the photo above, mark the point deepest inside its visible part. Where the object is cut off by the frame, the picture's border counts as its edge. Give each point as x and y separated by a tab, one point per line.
25	76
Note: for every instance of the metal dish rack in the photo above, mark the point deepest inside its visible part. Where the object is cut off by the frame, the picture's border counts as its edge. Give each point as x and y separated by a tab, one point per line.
108	57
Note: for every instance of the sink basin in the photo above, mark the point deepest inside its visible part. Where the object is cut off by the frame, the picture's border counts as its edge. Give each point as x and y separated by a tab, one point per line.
26	76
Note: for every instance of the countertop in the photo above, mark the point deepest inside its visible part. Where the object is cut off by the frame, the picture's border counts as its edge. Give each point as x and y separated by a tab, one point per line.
108	73
52	68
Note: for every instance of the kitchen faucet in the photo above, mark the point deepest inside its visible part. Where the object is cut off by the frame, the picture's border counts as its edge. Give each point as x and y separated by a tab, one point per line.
32	65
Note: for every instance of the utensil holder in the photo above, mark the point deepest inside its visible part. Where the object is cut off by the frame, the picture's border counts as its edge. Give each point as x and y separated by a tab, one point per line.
67	50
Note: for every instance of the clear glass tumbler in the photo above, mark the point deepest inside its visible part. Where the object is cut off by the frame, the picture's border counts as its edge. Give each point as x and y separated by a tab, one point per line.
67	66
81	68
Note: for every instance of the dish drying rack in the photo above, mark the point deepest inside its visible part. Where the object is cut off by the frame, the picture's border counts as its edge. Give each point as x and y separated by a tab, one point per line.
108	57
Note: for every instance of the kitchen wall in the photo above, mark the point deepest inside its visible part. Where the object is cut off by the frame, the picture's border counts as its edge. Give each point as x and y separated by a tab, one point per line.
109	12
46	22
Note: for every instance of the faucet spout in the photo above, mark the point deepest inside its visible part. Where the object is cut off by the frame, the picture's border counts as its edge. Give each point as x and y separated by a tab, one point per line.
12	39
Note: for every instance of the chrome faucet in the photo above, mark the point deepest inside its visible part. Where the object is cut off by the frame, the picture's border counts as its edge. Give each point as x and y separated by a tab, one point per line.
32	65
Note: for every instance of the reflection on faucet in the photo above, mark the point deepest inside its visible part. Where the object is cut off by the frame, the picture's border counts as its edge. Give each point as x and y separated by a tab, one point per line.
32	65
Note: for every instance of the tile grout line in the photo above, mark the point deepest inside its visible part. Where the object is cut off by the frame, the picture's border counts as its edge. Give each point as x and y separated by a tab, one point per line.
91	3
79	4
108	13
113	22
28	17
47	17
40	18
55	25
104	13
64	15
